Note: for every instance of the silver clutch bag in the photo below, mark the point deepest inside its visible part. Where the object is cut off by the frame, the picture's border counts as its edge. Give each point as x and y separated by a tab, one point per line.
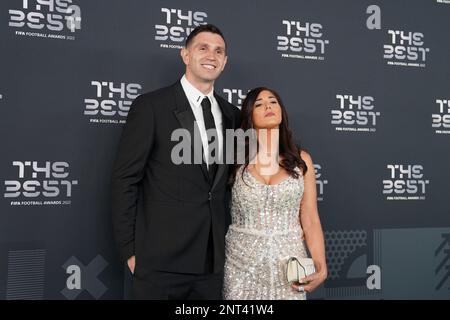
298	268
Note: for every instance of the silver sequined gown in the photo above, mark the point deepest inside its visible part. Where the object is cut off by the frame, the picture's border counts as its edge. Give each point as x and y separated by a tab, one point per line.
265	231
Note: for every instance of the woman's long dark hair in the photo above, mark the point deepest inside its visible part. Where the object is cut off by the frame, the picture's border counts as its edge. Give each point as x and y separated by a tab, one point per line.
288	150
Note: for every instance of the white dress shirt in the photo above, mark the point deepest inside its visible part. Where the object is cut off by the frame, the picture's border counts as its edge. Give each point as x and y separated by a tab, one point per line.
195	98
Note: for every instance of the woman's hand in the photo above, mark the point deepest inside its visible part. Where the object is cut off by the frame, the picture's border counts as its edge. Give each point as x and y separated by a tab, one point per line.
311	282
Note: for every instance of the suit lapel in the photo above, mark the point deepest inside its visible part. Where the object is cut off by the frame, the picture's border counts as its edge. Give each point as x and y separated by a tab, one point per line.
186	118
227	123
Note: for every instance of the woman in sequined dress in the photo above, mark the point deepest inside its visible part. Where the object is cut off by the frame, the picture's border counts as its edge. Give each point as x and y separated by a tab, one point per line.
273	209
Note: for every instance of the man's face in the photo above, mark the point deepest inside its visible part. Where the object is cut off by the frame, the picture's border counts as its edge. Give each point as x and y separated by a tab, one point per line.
205	57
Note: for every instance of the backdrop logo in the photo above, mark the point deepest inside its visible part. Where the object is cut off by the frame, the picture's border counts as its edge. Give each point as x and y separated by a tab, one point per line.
302	40
320	182
45	183
405	48
235	96
350	269
54	19
112	101
83	277
441	120
354	113
406	182
177	26
341	245
442	254
373	22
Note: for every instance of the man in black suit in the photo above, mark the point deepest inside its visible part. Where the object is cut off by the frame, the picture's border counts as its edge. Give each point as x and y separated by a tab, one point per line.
170	219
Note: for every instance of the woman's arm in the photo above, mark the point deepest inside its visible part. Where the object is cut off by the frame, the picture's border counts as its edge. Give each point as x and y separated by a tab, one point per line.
312	228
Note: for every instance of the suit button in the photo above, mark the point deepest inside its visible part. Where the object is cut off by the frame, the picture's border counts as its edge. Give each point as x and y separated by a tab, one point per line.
209	195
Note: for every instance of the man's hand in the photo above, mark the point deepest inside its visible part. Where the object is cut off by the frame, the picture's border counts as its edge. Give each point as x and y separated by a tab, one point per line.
131	263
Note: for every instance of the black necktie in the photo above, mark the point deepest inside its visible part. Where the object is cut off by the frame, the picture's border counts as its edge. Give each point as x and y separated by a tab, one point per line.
209	124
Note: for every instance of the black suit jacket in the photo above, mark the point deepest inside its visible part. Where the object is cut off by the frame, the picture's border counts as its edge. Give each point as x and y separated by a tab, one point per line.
163	212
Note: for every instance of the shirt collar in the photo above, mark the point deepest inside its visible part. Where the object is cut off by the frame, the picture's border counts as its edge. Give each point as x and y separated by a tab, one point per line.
193	94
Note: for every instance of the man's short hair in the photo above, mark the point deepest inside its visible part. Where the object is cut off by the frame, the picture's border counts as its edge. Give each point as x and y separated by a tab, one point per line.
204	28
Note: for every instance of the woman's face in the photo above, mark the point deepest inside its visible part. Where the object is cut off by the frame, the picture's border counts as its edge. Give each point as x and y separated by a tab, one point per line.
266	111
